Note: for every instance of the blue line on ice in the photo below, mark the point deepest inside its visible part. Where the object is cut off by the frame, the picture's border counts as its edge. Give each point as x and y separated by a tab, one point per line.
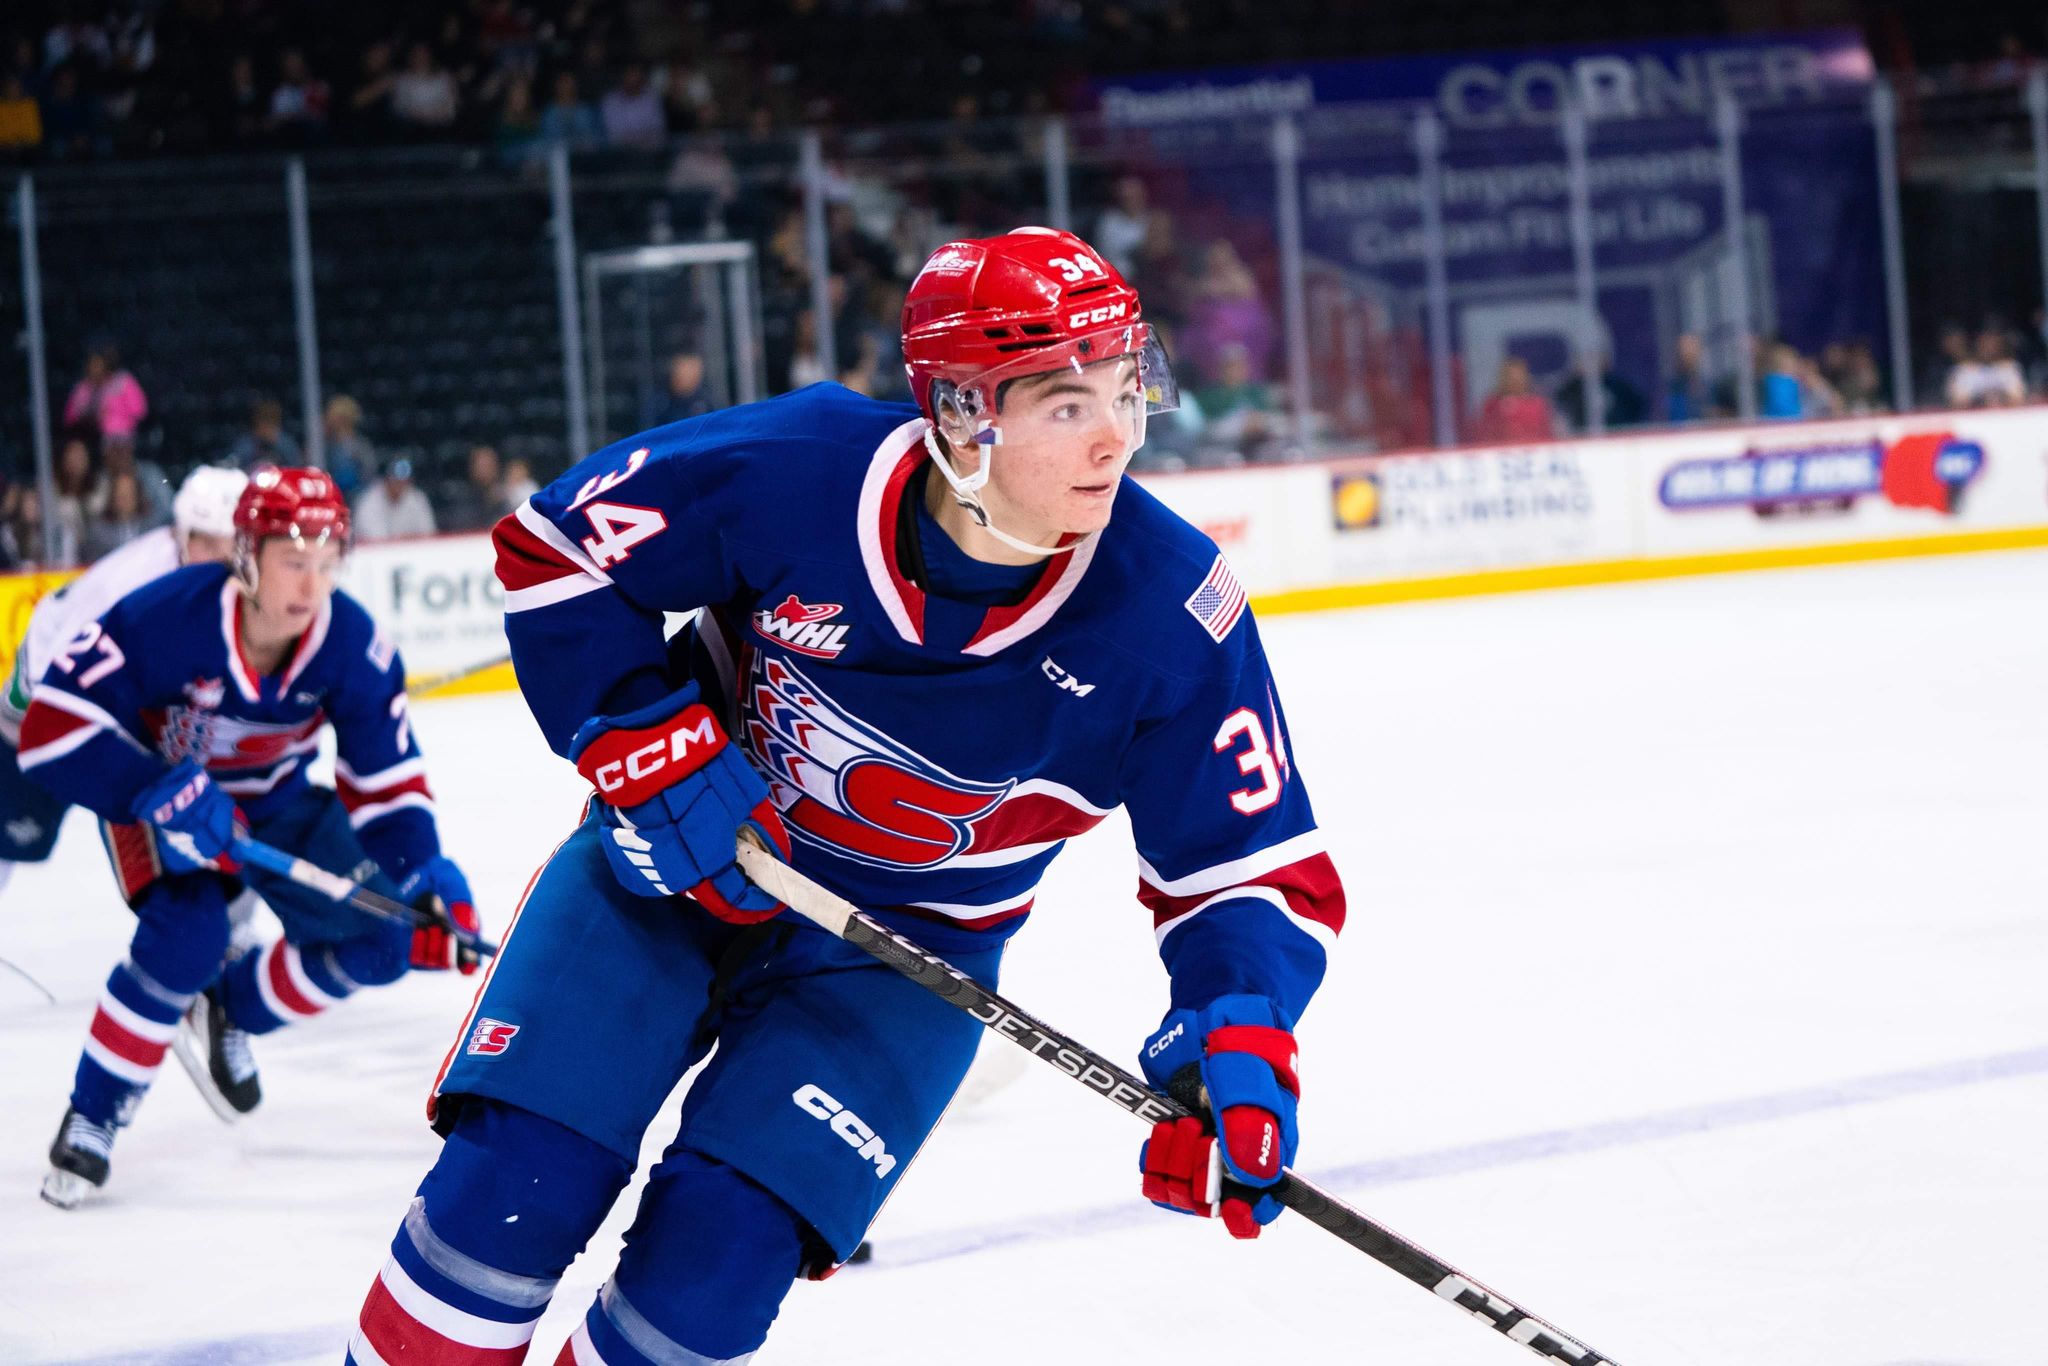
260	1349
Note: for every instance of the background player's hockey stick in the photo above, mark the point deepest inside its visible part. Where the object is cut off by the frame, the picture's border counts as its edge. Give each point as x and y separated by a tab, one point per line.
433	683
335	887
1131	1095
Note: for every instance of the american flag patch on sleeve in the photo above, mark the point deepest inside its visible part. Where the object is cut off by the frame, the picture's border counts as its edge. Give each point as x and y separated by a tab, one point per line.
1219	602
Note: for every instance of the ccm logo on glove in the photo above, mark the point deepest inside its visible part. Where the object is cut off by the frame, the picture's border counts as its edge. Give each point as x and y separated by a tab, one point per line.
629	766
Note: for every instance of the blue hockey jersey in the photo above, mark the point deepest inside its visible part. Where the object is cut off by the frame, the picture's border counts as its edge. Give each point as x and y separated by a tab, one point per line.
162	677
929	757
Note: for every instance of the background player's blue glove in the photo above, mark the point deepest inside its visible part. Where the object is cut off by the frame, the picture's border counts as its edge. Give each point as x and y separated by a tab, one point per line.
194	819
1233	1062
675	795
438	886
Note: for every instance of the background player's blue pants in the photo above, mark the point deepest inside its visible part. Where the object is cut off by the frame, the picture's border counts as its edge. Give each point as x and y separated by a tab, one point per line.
830	1072
29	815
181	934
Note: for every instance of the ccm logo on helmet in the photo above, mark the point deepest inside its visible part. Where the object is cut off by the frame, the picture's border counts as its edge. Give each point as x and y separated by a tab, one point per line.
848	1125
651	758
1088	317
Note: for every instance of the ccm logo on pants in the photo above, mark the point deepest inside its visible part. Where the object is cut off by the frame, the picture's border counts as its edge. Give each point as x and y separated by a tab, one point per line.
846	1124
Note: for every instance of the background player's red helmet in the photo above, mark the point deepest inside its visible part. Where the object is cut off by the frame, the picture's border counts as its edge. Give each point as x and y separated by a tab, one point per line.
303	504
1031	300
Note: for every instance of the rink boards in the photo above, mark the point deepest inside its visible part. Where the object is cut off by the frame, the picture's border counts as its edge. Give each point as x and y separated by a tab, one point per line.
1372	528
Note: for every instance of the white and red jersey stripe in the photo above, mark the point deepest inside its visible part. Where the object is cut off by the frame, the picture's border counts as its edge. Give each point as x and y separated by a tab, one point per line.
1294	876
538	565
370	795
59	722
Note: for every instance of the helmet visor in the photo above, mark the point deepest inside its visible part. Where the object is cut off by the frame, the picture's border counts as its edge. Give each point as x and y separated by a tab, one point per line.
1122	371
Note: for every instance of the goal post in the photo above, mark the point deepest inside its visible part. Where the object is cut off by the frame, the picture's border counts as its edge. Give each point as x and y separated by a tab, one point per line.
645	305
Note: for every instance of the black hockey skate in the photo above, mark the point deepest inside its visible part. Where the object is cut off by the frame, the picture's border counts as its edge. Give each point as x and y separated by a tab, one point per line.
79	1159
216	1056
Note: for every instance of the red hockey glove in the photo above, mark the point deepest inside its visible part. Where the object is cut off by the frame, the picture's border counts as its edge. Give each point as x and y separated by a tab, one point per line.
439	888
1235	1058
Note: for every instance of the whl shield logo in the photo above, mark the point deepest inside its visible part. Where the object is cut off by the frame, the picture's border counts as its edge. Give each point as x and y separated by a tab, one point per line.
801	626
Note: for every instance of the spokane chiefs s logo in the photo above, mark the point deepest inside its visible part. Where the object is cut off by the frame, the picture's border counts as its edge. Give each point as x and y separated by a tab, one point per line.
801	626
848	787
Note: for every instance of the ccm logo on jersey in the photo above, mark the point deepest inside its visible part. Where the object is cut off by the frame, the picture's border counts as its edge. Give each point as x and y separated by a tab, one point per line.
848	1125
491	1037
1088	317
801	626
1067	682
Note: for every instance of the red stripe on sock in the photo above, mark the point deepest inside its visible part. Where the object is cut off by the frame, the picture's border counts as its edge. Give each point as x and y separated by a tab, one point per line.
118	1039
281	982
401	1338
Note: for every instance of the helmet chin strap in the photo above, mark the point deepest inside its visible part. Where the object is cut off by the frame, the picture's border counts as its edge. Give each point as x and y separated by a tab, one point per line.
967	493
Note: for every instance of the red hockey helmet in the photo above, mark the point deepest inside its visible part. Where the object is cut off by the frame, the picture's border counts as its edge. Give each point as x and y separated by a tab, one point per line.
988	310
1031	300
303	504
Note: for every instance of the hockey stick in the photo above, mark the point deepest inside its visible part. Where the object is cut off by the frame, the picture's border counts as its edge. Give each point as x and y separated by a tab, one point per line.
1131	1095
335	887
433	683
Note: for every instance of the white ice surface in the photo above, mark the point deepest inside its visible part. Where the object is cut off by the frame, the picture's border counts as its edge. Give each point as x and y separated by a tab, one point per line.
1685	917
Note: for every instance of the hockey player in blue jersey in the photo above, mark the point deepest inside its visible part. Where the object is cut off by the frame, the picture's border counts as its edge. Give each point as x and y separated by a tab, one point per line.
928	654
202	531
190	709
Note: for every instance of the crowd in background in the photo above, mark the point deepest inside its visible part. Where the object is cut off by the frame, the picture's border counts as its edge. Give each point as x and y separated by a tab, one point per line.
83	79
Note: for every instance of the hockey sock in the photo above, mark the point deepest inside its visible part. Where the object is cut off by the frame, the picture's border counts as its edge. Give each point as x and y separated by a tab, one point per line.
510	1203
706	1264
280	984
132	1027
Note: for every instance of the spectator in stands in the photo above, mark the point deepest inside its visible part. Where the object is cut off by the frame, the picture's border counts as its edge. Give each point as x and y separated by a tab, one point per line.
153	486
1990	377
21	530
1621	402
1237	409
568	119
77	482
21	118
266	442
632	112
241	114
71	120
349	453
1850	369
107	401
479	500
1120	229
424	95
520	484
1688	397
1515	413
394	506
123	519
1226	311
517	133
298	105
369	113
686	396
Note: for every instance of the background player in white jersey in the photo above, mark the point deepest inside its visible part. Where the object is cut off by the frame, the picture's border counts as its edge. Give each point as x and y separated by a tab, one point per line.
202	531
188	712
928	654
